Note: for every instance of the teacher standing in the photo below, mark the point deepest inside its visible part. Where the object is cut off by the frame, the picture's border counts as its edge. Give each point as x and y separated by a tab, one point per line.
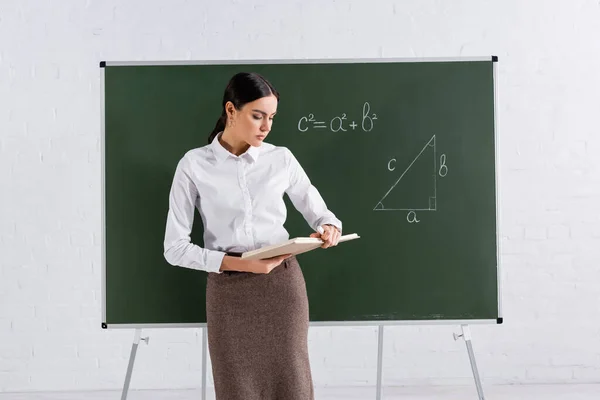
257	310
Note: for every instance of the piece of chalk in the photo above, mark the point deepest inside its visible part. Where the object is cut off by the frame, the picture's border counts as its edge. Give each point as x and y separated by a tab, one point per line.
320	230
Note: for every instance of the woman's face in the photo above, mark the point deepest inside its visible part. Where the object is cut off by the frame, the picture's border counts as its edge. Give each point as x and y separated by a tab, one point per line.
253	122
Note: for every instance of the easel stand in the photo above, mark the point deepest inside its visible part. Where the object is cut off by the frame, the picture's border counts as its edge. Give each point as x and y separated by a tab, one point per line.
134	347
466	335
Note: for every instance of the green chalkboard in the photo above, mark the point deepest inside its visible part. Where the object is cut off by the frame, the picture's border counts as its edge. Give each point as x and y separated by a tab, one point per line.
402	151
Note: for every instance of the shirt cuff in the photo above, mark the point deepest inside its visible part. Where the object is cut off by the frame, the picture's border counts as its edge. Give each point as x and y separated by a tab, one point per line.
335	222
214	260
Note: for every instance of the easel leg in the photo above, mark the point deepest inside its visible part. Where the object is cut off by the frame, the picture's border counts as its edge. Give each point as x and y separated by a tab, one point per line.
466	335
204	350
134	347
379	361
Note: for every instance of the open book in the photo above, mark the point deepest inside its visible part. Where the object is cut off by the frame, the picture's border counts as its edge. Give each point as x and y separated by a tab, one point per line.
293	246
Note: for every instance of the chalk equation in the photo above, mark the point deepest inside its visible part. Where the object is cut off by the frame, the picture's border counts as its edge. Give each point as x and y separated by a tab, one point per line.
339	123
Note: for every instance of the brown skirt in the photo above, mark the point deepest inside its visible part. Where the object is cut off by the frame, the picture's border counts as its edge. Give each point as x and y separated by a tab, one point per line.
257	334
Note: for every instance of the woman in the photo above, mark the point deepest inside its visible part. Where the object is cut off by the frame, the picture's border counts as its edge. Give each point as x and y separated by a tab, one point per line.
257	311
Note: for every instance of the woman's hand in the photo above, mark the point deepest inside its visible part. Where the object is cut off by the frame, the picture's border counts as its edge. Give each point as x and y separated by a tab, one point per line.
255	266
330	236
266	265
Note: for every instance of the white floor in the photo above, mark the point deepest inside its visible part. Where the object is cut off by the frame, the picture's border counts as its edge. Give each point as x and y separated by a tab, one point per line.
508	392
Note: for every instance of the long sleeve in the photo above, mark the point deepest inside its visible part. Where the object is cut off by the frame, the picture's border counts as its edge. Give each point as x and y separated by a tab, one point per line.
306	198
178	249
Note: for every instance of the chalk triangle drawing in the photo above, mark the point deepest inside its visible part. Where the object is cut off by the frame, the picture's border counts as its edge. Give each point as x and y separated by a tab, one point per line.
415	189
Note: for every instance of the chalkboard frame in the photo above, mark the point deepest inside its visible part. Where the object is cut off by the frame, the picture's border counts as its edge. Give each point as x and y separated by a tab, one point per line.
104	64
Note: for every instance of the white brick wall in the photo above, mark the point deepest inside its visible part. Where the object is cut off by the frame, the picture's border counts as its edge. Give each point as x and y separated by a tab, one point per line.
549	92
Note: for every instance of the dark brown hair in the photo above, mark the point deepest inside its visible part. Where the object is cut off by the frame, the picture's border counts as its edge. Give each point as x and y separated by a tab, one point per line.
243	87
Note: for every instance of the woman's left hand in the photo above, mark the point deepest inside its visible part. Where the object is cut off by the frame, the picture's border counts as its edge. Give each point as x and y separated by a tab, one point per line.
330	236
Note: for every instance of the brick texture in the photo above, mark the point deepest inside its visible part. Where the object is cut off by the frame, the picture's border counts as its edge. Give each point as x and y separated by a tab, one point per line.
50	191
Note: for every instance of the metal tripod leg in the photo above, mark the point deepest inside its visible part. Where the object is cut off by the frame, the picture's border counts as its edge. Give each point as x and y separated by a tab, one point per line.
466	335
134	347
379	361
204	350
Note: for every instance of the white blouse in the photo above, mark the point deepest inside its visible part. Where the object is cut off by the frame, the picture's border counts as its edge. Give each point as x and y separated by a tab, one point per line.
240	200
